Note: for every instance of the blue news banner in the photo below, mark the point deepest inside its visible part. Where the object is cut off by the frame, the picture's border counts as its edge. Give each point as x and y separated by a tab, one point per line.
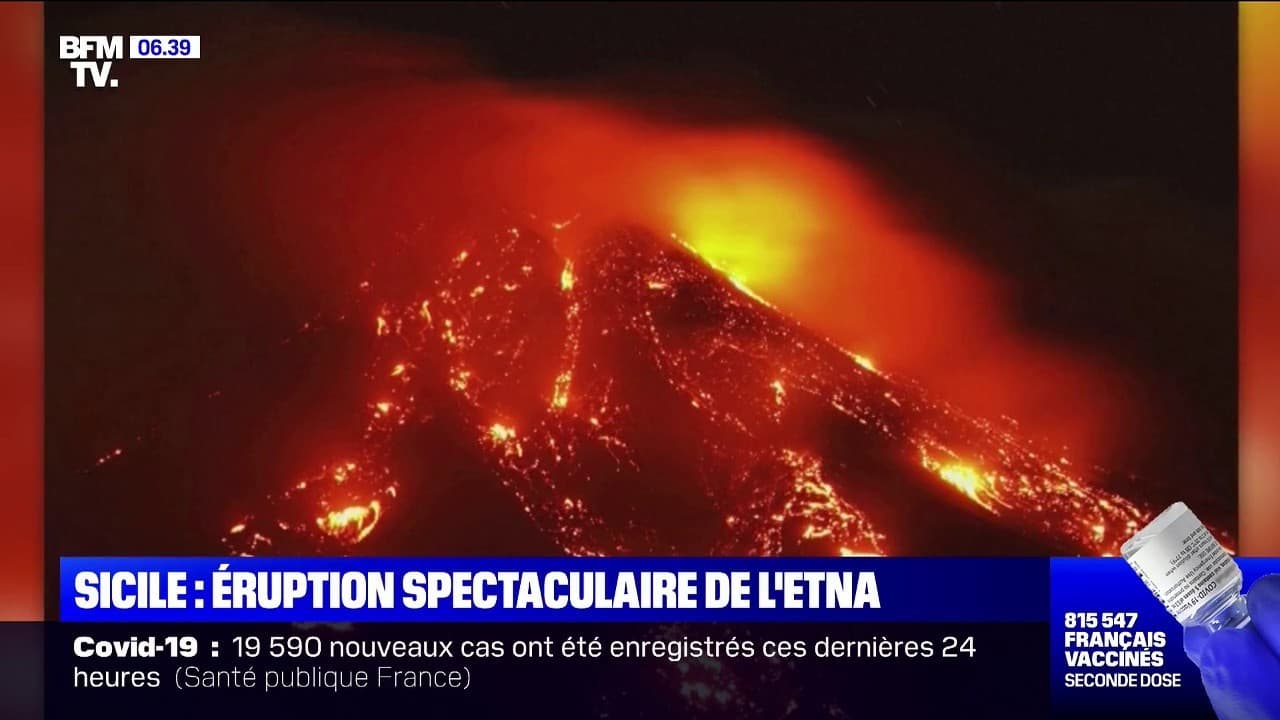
1112	650
905	590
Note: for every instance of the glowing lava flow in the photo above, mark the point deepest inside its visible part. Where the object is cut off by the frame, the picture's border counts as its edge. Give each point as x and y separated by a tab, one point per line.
636	402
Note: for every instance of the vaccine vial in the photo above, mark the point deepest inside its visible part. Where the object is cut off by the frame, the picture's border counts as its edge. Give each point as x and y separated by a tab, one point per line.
1188	570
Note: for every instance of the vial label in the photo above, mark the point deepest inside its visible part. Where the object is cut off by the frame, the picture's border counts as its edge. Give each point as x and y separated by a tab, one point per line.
1183	566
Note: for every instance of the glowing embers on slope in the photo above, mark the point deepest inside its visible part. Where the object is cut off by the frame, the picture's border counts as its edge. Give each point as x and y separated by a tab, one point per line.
784	503
560	393
566	276
820	513
352	523
500	433
977	486
779	392
1009	479
338	505
504	438
863	362
108	457
536	432
562	373
459	377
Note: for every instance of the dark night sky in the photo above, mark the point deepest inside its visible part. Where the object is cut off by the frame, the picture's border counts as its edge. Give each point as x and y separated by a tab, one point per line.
1060	91
1086	151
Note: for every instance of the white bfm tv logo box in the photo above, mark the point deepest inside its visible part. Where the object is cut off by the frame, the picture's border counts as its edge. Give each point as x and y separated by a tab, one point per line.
78	48
103	49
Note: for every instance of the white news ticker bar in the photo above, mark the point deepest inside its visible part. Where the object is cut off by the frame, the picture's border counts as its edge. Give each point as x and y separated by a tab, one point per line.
171	47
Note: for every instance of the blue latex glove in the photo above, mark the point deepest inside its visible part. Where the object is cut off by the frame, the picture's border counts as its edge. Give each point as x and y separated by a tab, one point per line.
1241	668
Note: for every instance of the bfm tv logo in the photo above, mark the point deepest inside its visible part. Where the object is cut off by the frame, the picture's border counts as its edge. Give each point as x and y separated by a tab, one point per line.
104	48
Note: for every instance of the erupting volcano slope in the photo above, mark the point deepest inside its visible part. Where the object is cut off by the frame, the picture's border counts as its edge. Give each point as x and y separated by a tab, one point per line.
637	401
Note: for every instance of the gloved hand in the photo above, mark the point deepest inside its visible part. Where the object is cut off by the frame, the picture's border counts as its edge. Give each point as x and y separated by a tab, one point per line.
1241	668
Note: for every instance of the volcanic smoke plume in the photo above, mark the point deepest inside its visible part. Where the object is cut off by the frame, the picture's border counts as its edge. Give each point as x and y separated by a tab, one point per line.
637	401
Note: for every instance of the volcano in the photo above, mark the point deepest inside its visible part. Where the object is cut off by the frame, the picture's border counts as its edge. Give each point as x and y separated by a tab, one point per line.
634	400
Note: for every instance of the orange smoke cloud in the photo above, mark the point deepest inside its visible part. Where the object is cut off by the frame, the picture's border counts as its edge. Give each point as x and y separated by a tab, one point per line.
787	215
